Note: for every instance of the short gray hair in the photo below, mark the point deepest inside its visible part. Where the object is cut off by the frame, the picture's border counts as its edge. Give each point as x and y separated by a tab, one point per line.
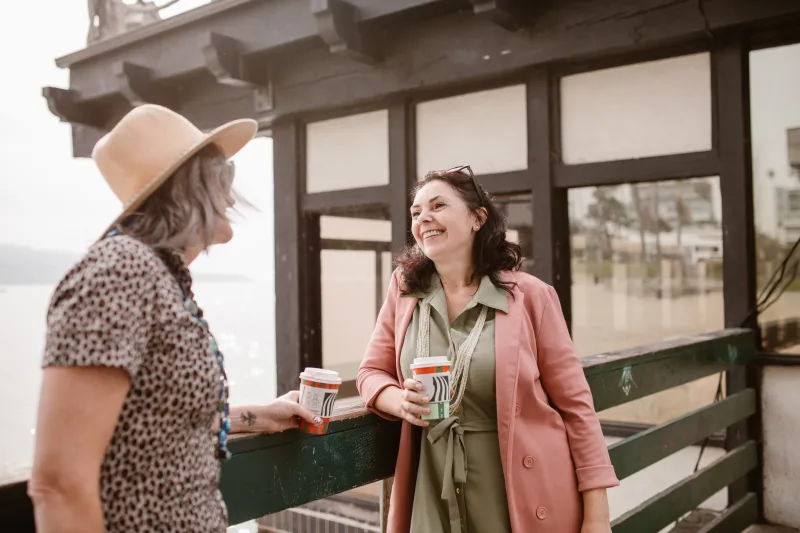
188	208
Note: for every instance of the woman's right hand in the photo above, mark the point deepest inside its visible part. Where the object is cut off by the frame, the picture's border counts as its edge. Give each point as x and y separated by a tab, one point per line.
406	403
413	402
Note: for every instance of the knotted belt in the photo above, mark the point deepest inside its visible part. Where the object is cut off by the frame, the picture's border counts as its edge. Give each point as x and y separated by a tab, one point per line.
455	468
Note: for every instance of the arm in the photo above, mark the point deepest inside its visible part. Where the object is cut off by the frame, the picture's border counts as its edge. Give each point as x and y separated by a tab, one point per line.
565	384
78	411
278	415
96	342
378	370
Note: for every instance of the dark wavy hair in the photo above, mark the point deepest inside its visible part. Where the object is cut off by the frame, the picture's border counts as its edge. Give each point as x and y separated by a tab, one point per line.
491	252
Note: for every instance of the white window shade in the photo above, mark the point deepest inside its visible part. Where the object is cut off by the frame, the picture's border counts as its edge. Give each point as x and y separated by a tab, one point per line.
486	130
348	152
643	110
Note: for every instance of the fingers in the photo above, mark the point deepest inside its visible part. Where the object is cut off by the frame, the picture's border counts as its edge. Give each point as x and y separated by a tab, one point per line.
306	415
414	397
292	396
413	385
413	401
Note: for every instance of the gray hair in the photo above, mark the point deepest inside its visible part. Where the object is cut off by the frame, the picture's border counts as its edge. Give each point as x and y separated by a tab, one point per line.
187	209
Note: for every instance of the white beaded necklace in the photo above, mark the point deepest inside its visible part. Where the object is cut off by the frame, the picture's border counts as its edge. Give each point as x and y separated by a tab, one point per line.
460	372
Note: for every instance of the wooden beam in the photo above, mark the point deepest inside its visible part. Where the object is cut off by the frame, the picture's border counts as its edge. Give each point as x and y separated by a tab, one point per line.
647	448
273	473
731	99
67	106
551	240
225	59
138	86
338	25
666	507
322	202
402	171
645	169
509	14
736	518
419	55
626	375
297	262
517	181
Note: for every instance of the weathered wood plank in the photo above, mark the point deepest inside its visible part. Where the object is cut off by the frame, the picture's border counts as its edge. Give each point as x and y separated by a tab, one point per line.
295	469
669	505
640	451
736	517
626	375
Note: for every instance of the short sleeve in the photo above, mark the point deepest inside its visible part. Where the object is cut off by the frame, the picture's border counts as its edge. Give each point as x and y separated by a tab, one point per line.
101	312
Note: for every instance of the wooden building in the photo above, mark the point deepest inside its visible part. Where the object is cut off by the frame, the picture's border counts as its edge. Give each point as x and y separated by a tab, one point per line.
362	97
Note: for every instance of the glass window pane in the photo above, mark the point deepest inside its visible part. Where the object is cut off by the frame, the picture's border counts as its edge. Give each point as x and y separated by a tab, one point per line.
647	109
519	215
775	127
647	267
485	129
333	164
356	268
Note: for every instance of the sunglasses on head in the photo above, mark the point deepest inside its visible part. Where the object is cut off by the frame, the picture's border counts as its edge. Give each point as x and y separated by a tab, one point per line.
466	171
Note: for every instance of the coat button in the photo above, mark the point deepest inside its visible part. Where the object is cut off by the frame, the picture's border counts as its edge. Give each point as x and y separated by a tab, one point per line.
541	513
517	410
528	463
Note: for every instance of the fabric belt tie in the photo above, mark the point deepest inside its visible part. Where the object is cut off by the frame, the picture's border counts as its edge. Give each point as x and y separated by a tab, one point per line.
455	465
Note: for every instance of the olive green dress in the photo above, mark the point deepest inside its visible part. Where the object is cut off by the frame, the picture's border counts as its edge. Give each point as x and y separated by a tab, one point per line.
460	486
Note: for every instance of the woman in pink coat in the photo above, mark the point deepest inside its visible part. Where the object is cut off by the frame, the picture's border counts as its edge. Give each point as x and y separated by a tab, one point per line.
520	449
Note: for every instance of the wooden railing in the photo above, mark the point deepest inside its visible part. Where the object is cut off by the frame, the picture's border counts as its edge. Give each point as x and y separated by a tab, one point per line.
269	473
274	472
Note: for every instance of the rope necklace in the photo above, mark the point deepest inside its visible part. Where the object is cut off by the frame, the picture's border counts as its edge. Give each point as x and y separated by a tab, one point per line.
463	356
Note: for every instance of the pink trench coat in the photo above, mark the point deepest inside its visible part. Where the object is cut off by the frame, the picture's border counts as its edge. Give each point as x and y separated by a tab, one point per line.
551	444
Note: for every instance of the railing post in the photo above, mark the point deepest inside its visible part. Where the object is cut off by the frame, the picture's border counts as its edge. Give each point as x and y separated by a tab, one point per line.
731	93
386	496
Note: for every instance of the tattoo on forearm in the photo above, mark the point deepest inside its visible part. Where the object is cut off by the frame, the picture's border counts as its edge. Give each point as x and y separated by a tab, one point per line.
248	418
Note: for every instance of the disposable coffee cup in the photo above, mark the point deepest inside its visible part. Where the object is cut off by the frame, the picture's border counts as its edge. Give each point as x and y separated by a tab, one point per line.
434	374
318	390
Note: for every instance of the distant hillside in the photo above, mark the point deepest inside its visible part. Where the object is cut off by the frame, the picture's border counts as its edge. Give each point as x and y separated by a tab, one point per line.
21	265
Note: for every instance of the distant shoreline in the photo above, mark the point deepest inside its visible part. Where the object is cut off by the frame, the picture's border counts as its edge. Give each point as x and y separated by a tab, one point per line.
21	266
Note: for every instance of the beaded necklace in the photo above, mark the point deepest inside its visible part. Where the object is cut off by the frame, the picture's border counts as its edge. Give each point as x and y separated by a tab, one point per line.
223	407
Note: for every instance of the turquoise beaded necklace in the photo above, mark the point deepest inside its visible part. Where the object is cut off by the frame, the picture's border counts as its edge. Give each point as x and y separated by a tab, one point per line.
223	407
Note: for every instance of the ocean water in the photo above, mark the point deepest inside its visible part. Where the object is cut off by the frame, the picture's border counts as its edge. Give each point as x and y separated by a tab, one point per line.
241	315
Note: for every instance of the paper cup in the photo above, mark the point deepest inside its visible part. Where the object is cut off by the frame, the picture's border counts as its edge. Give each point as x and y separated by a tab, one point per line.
434	374
318	390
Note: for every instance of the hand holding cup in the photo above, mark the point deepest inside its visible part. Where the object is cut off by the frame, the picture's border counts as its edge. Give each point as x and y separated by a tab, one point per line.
413	402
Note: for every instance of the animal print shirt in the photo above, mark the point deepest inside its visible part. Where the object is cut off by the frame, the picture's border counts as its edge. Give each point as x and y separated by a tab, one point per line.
121	306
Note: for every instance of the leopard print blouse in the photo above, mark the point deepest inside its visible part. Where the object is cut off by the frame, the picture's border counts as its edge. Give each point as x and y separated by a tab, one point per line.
122	307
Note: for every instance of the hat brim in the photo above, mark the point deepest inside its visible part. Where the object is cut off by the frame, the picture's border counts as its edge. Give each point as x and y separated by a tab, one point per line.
230	138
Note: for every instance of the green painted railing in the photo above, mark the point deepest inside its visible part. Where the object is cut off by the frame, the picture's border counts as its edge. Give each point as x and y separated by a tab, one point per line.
269	473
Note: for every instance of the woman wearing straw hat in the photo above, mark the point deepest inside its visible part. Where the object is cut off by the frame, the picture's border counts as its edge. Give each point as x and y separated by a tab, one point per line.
133	414
521	449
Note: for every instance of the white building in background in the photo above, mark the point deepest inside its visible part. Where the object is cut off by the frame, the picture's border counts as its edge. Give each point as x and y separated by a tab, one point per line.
774	81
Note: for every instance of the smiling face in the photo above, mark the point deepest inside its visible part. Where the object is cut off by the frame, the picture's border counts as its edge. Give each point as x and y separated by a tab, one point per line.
441	222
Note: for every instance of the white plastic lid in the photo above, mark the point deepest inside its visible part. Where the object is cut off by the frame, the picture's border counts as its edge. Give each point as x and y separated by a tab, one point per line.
424	362
321	374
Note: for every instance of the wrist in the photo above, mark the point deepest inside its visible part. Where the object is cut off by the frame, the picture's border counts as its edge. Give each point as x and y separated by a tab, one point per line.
388	401
595	506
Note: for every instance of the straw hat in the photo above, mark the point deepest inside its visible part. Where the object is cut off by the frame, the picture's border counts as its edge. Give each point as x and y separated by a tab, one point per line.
150	143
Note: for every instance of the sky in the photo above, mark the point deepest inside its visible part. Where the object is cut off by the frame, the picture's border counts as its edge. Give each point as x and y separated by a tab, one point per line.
50	200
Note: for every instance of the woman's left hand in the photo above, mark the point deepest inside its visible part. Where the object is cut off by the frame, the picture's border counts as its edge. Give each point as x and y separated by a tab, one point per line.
595	526
278	415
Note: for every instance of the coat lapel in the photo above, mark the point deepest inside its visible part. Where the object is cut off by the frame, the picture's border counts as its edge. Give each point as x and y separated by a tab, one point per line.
506	345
